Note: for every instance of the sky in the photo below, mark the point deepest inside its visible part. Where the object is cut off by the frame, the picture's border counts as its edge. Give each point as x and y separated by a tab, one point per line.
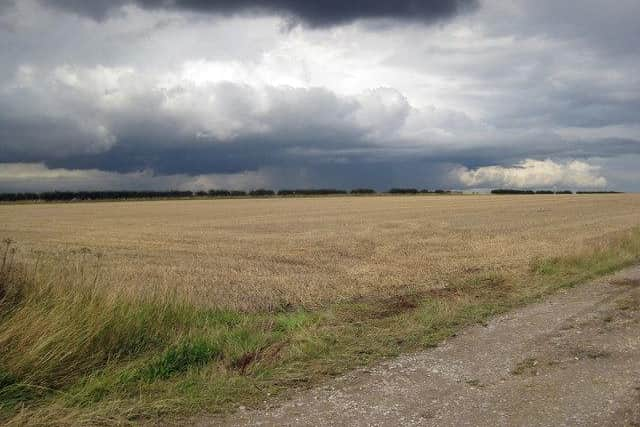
245	94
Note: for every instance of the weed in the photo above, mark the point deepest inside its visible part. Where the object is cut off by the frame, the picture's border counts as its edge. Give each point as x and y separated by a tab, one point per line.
475	383
180	358
526	367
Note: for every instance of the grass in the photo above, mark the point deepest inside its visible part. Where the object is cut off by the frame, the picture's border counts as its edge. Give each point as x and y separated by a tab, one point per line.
527	366
73	352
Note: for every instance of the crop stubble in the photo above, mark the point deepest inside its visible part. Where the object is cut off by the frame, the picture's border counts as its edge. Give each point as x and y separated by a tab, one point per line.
261	254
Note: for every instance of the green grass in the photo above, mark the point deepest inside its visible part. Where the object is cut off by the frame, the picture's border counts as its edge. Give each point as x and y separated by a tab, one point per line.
70	354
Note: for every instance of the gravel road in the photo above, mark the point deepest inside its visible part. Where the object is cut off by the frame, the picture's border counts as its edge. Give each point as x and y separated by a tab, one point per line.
573	359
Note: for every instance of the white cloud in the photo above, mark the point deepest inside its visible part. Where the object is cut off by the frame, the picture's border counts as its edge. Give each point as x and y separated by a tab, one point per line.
27	171
534	174
92	108
18	177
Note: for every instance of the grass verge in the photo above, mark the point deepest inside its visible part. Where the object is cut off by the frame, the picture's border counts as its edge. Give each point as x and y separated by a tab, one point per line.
71	354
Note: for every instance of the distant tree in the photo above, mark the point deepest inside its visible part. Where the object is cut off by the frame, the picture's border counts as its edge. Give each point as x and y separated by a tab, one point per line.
598	192
261	192
363	191
403	191
311	192
511	191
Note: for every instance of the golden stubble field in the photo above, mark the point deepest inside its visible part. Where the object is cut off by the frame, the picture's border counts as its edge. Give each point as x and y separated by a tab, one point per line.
255	254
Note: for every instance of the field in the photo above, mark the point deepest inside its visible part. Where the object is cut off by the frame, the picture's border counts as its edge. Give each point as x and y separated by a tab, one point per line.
268	253
114	311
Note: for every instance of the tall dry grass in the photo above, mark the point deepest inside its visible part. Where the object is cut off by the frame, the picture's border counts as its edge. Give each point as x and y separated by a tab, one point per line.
73	351
60	326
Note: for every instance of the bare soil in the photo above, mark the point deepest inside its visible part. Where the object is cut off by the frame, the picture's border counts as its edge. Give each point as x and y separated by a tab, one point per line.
573	359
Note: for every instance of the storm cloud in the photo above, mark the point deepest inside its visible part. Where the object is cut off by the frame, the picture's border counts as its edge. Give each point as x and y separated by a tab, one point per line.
315	13
195	94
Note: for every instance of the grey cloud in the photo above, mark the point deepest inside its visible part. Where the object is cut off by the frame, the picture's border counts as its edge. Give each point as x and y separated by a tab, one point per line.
19	177
75	120
315	13
608	26
528	81
6	5
622	172
72	118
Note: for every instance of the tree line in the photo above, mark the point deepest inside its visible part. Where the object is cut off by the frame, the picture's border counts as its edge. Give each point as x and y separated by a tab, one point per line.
598	192
416	191
51	196
513	191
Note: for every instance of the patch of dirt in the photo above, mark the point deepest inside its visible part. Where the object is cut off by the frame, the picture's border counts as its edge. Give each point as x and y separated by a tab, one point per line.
571	360
626	281
382	308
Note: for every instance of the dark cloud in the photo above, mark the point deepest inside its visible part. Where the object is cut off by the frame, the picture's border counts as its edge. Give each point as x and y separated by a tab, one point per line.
310	136
6	5
315	13
67	119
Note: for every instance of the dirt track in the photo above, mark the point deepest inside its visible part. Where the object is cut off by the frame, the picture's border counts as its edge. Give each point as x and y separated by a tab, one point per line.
571	360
